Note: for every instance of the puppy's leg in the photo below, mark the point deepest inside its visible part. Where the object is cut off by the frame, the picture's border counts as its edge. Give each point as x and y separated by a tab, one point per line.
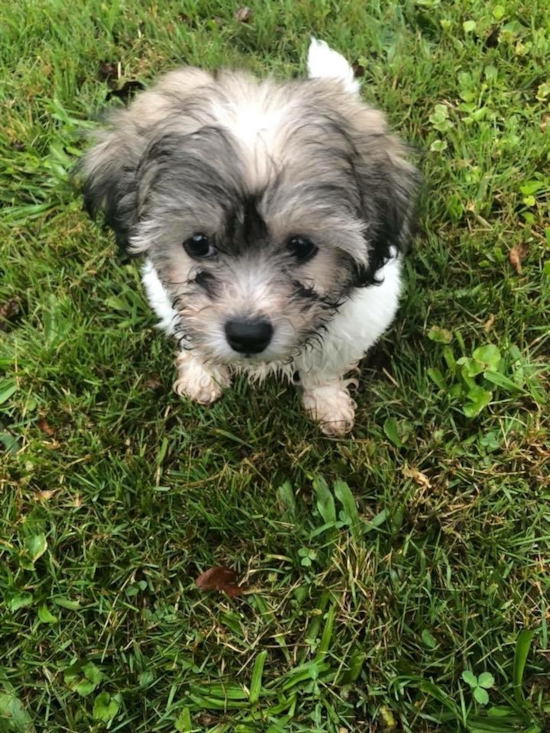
358	325
326	398
199	381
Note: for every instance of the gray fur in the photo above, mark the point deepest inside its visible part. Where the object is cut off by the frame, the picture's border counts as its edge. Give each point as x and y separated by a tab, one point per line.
180	161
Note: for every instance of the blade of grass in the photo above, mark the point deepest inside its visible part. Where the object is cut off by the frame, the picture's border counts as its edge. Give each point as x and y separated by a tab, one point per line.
256	680
523	644
345	497
325	501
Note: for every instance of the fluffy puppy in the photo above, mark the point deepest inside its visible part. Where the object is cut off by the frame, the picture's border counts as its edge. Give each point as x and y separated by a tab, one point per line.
272	217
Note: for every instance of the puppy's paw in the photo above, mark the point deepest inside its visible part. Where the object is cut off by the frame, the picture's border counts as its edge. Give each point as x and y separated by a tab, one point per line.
200	382
332	407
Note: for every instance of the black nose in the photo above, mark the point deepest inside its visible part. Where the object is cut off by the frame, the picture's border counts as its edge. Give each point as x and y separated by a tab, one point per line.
248	336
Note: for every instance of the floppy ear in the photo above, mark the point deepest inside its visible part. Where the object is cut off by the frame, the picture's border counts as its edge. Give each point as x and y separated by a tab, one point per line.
388	186
112	181
386	181
396	200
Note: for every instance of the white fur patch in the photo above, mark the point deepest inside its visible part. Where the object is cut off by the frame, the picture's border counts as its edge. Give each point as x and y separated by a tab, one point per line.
199	382
354	329
253	122
331	406
158	298
254	118
325	63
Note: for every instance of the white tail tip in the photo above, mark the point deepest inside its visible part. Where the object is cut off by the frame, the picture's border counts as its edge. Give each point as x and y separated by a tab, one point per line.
324	63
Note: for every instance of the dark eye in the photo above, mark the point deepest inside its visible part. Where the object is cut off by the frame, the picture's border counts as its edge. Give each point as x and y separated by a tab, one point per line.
199	246
301	248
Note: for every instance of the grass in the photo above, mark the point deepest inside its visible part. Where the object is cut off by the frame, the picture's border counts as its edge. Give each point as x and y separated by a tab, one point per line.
379	568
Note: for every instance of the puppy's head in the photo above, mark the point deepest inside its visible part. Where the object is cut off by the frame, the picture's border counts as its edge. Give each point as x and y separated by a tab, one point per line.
262	206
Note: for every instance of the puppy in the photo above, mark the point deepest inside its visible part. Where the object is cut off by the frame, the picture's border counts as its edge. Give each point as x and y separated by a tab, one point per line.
272	217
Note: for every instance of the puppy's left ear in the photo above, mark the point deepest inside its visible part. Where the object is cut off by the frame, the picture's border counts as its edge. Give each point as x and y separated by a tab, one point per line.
388	185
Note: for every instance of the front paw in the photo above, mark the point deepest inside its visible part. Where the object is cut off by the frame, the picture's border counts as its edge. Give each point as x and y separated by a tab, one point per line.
198	382
332	407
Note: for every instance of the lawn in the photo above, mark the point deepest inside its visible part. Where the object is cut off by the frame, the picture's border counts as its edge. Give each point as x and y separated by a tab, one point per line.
395	580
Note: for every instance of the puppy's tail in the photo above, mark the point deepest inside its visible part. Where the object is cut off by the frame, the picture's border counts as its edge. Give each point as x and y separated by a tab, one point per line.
324	63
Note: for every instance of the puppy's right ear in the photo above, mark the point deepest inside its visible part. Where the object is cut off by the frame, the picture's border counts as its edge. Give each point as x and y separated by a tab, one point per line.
324	62
113	183
109	179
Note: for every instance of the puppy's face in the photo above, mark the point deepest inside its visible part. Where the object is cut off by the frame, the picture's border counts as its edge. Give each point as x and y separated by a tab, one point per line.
261	206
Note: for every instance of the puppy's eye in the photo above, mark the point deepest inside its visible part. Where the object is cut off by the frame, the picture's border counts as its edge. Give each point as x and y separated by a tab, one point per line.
199	246
301	248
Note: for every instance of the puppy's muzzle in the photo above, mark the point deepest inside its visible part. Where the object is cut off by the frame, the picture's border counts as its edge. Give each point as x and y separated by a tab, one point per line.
248	336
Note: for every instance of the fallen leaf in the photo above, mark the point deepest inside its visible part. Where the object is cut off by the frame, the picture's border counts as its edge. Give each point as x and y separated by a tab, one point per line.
8	310
492	39
387	718
440	335
220	578
417	476
358	69
44	427
107	72
488	325
243	15
44	495
152	383
126	91
205	719
515	256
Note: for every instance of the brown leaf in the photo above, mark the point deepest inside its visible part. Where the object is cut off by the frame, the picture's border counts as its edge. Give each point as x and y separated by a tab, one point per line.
107	72
419	478
515	256
44	495
45	427
488	325
492	39
358	69
205	719
243	15
126	91
8	310
220	578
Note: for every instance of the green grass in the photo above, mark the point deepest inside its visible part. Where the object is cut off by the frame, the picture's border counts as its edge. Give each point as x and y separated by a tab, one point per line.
364	607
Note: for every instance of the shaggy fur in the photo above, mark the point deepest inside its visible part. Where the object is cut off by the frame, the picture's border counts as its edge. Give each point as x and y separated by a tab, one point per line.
250	166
